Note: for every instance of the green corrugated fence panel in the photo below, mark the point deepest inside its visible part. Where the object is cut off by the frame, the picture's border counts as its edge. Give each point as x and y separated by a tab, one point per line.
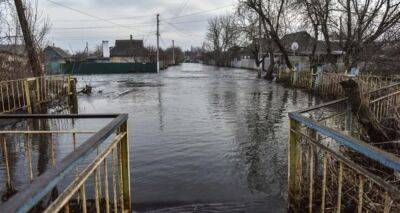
109	68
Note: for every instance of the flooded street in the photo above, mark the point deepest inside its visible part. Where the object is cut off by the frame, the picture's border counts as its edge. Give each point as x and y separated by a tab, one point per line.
202	134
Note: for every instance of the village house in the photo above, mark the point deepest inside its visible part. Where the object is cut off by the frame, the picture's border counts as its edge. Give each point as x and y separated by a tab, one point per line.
130	51
55	58
300	58
243	58
13	61
12	53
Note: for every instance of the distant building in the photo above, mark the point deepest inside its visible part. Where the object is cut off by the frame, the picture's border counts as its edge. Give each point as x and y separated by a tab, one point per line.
55	58
106	49
13	61
12	52
301	57
130	50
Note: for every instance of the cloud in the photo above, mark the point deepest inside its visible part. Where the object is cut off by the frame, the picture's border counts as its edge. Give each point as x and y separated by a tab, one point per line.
71	30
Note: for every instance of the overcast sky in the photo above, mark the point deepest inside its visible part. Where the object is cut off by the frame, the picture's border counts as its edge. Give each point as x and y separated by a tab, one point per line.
184	21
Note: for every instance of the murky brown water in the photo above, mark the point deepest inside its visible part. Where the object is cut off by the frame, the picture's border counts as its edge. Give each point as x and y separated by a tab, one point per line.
201	135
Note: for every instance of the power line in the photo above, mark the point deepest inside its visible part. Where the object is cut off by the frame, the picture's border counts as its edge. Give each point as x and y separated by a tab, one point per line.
182	7
179	30
99	27
143	25
116	35
86	14
115	18
201	11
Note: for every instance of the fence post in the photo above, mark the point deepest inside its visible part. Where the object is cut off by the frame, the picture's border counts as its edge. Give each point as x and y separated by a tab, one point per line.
293	76
37	90
124	155
69	85
294	167
27	96
279	74
349	117
71	96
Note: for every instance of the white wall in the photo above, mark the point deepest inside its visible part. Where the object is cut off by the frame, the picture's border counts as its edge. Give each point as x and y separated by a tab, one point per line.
106	49
246	63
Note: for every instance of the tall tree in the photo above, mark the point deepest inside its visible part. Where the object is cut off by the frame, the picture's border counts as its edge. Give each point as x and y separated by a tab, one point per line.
272	14
30	44
366	22
221	36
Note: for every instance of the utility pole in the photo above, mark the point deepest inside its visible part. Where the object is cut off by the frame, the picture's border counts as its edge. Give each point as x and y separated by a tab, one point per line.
173	52
34	60
260	48
158	43
87	49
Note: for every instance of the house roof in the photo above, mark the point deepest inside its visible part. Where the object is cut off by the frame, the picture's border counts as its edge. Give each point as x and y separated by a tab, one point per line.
304	40
13	49
306	43
128	48
60	52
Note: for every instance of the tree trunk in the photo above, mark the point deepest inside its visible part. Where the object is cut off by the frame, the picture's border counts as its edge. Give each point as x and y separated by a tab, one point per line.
34	60
360	108
269	75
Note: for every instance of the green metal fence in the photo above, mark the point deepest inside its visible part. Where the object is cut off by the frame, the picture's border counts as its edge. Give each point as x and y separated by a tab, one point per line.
108	68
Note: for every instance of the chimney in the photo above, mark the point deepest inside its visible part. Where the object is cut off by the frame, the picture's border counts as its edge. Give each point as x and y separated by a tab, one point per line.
106	50
131	37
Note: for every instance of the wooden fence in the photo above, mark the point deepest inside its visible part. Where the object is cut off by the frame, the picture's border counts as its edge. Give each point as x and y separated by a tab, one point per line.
328	84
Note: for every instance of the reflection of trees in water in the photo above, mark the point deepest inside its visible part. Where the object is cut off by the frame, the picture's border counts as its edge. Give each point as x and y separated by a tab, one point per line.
260	147
224	96
38	151
266	169
9	160
42	145
294	97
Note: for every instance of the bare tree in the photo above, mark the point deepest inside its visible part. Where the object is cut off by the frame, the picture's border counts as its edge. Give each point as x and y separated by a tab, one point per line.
310	11
39	25
272	14
366	22
221	36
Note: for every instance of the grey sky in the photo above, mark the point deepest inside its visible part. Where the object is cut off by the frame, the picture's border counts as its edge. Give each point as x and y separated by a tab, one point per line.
71	29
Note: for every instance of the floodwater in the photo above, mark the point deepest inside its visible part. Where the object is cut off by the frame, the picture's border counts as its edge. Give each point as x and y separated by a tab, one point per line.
202	135
199	136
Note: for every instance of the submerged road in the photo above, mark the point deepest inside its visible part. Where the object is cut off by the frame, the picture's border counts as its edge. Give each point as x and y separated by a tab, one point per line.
202	136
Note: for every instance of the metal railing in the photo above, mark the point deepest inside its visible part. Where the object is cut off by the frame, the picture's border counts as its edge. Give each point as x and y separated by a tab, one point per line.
331	169
94	177
23	94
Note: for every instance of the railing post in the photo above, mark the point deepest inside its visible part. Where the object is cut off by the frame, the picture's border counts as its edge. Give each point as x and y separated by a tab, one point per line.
124	159
340	187
313	135
294	167
27	96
